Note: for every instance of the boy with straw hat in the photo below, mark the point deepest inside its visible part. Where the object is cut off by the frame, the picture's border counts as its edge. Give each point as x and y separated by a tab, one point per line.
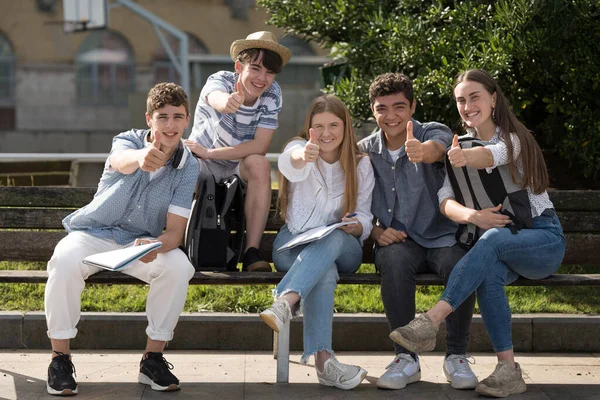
234	123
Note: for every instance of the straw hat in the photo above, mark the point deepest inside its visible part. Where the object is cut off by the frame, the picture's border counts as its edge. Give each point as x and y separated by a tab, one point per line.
260	40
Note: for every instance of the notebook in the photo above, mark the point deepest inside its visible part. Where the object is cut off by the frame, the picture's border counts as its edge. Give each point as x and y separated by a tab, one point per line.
313	234
117	259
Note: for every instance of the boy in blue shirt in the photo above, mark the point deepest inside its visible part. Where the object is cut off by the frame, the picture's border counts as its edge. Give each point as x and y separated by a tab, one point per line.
148	183
234	123
411	234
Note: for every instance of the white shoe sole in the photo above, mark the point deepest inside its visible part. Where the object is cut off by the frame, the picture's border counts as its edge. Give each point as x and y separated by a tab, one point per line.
348	385
462	385
142	378
395	386
515	388
270	319
65	392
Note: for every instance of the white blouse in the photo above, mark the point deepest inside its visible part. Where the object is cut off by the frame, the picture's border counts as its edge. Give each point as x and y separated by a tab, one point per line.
316	194
538	202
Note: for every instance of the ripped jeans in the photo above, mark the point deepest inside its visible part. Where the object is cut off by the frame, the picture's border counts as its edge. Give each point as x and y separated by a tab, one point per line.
312	272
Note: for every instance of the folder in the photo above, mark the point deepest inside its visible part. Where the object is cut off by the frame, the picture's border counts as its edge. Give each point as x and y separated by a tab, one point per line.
313	234
118	259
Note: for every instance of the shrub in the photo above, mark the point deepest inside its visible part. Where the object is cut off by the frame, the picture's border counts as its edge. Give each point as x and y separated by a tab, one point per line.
544	53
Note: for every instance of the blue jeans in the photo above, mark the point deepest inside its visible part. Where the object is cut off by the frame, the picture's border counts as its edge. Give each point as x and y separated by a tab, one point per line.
312	272
498	258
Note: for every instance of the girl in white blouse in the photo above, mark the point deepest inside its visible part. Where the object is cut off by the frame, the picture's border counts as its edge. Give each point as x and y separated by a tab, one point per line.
499	256
323	179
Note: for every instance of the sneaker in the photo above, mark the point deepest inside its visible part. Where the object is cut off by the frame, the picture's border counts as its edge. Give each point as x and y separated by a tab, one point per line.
504	381
400	372
60	376
459	373
253	262
156	372
342	376
418	336
278	315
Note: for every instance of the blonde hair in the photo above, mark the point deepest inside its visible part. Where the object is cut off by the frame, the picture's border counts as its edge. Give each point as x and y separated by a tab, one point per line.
348	152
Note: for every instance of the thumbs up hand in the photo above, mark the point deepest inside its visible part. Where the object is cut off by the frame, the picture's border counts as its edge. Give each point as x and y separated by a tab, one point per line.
156	139
152	158
412	146
311	149
236	99
456	154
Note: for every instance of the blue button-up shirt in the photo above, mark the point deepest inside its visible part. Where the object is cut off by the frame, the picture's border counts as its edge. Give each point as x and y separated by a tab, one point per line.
405	196
127	207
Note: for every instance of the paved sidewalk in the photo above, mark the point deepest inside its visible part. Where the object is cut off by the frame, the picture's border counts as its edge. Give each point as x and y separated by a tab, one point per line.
251	375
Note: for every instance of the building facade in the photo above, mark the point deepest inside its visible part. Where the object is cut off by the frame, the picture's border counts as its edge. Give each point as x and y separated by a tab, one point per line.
71	93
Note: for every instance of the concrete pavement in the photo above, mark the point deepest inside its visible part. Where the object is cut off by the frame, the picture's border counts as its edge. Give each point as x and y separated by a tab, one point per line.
112	374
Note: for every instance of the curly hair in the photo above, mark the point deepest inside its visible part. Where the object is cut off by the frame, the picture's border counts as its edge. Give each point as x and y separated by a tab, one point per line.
389	84
166	93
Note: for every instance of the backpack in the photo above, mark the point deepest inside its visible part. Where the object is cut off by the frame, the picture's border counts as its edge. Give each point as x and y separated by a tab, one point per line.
478	189
214	235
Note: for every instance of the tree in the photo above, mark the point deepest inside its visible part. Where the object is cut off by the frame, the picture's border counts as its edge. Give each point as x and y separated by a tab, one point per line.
545	54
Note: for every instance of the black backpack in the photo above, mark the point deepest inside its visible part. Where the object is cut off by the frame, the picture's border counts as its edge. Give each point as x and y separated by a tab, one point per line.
214	234
478	189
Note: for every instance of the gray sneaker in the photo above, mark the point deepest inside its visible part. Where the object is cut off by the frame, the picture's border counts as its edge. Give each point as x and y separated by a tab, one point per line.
418	336
504	381
278	315
458	372
400	372
342	376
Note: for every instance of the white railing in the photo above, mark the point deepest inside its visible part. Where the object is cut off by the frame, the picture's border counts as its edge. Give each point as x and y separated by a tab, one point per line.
79	157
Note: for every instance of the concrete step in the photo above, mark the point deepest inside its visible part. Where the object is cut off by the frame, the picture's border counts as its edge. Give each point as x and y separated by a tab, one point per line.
247	332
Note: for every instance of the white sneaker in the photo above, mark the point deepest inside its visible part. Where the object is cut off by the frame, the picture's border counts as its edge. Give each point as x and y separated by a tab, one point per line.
459	373
342	376
278	315
400	372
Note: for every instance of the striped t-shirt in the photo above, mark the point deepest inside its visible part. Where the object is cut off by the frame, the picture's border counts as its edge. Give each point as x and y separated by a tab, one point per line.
215	130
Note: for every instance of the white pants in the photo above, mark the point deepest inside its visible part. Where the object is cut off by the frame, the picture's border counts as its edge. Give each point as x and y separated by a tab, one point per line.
168	276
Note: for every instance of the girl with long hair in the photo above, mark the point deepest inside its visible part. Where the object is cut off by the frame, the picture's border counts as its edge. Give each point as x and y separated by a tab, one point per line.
323	179
501	254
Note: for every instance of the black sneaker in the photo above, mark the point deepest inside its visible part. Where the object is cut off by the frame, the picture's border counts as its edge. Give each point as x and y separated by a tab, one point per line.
156	372
253	262
60	376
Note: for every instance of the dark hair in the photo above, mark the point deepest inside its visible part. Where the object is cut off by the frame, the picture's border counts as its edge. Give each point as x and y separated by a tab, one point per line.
166	93
535	174
270	60
391	83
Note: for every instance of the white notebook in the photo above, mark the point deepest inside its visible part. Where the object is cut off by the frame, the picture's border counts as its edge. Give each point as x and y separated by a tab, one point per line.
117	259
313	234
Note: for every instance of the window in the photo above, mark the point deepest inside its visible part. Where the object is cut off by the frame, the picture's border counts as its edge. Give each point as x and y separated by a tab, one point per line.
7	84
164	71
105	70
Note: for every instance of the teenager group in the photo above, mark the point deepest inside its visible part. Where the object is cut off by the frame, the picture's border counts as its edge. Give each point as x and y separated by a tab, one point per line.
391	186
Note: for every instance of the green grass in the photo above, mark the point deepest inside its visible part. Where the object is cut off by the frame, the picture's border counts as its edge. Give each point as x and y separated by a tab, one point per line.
252	299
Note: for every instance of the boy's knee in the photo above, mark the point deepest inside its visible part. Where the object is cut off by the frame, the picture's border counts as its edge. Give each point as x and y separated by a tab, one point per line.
258	167
65	262
395	260
178	267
